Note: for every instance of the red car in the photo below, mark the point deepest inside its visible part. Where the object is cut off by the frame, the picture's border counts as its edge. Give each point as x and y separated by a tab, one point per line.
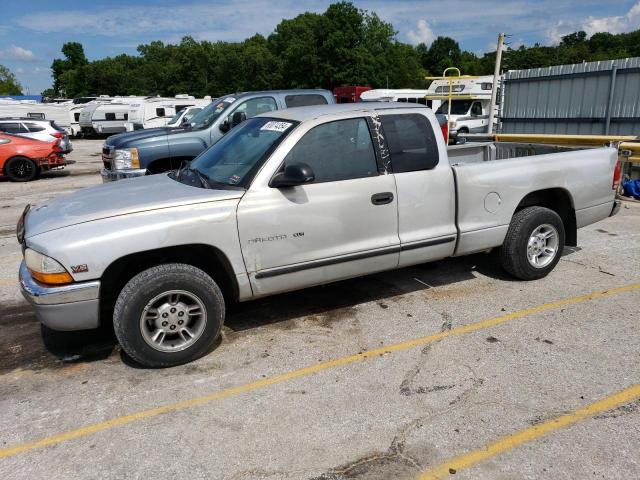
22	159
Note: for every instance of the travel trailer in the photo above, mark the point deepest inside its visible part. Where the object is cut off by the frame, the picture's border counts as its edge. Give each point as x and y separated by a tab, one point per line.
107	118
153	112
76	110
406	95
58	112
470	101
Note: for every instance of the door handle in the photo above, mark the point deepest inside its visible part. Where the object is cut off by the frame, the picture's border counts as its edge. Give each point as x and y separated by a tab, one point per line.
382	198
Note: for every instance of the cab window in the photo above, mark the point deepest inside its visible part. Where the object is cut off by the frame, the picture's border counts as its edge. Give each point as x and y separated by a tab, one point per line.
476	108
340	150
306	100
256	106
411	142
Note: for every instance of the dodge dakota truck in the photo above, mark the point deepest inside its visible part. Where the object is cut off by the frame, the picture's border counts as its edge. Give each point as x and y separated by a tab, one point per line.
291	199
157	150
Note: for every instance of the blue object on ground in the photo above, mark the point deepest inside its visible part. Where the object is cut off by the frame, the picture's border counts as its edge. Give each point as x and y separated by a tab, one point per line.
632	189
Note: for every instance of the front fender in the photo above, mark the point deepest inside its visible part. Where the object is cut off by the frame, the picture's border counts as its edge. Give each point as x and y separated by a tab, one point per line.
97	244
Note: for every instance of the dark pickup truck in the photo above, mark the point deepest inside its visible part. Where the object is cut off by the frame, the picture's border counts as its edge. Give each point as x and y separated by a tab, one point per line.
157	150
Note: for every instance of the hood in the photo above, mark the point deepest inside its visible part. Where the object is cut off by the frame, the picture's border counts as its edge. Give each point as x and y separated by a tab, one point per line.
118	198
129	139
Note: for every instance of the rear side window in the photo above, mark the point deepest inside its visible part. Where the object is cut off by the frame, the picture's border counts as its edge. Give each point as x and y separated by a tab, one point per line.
411	141
305	100
12	128
340	150
34	128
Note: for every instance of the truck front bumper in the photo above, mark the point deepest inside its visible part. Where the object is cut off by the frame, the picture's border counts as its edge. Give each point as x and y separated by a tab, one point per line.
66	307
113	175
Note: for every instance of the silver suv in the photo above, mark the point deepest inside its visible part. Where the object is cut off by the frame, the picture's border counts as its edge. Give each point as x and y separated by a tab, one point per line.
45	130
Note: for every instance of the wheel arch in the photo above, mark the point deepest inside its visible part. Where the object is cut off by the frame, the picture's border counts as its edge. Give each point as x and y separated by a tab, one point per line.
560	201
206	257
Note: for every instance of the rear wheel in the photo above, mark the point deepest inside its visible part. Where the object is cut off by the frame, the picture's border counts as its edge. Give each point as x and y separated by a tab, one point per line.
168	315
21	169
533	244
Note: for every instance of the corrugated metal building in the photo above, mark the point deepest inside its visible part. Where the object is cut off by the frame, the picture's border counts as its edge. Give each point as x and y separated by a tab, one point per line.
593	98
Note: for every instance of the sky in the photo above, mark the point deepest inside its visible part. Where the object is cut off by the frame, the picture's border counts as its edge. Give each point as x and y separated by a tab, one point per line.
32	33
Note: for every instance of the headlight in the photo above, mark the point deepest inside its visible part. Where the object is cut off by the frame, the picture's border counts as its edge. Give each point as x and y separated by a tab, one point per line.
45	269
454	124
126	159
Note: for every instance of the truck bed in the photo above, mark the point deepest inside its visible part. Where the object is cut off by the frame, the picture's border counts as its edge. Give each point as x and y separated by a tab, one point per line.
489	191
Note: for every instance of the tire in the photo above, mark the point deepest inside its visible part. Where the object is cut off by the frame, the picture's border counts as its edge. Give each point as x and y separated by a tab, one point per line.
21	169
167	295
525	238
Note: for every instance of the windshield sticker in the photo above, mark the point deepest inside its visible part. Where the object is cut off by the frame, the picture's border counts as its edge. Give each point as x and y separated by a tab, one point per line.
276	126
229	100
234	179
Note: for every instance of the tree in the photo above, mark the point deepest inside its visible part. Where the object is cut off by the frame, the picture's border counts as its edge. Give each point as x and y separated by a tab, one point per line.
68	73
8	83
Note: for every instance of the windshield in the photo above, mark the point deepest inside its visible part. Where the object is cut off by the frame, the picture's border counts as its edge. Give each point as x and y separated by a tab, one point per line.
175	118
458	107
209	114
236	157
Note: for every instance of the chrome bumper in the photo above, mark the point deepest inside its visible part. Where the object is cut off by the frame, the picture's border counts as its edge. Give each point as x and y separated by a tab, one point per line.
113	175
616	207
67	307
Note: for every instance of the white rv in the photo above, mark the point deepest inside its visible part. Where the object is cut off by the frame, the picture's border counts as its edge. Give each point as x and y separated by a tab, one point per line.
76	110
470	102
153	112
406	95
58	112
107	118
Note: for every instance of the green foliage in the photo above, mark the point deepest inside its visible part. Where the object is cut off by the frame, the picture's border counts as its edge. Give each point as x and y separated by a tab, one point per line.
342	46
8	83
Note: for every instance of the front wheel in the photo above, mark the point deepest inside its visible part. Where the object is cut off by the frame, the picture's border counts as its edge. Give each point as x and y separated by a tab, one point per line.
533	244
168	315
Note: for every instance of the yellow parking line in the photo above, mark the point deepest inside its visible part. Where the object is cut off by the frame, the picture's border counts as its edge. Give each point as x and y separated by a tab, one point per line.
530	434
303	372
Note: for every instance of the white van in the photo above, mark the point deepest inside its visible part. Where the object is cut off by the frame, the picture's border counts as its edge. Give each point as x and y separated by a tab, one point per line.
407	95
470	102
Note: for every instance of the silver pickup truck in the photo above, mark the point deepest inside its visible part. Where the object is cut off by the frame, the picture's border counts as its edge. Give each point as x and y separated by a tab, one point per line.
292	199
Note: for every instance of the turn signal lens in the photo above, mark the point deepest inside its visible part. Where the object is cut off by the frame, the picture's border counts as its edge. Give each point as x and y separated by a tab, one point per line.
135	160
52	278
45	269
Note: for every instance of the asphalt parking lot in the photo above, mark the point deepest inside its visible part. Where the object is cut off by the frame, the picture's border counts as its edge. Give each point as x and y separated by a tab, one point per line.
450	369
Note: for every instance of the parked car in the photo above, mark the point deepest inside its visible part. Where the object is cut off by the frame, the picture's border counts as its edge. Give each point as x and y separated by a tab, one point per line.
45	130
159	150
22	159
296	198
184	116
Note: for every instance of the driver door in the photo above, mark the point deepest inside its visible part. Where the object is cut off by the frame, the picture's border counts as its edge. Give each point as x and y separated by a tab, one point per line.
343	224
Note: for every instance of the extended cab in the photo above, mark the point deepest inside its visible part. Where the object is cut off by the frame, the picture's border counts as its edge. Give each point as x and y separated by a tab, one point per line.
157	150
292	199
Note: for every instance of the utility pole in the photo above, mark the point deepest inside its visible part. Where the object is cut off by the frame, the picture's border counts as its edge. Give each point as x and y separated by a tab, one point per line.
496	79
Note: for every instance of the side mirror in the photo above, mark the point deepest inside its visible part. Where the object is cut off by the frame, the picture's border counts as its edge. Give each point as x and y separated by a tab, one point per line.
294	174
237	118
